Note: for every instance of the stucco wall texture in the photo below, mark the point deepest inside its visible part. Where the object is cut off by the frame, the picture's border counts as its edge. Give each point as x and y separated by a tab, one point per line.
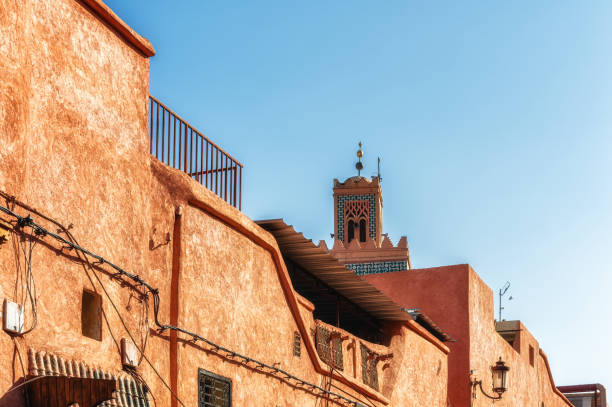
73	101
73	146
462	305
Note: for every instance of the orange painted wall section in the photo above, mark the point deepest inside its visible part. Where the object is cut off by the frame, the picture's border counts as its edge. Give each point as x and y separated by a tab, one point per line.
462	305
442	294
74	147
417	375
234	297
73	121
527	384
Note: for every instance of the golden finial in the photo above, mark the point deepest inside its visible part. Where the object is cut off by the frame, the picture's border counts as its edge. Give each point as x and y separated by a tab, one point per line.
359	165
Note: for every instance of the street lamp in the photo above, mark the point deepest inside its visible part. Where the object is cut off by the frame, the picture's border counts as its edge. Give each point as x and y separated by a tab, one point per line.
499	379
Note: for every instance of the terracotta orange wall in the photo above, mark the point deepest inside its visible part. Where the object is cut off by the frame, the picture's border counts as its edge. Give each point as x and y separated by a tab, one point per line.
462	305
419	366
442	294
230	292
527	384
73	145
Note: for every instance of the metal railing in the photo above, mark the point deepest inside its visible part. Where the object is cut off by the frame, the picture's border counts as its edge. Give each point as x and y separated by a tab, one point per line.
175	143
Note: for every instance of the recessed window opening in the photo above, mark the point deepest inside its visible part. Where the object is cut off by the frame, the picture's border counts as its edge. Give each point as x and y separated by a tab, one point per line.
329	350
213	390
351	231
369	372
91	315
531	355
362	230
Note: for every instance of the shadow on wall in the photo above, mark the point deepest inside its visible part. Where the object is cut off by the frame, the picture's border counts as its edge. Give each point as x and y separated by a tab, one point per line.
14	396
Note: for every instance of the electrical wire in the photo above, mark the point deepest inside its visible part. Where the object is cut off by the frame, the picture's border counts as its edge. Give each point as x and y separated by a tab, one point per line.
41	232
23	371
139	379
74	242
30	282
25	277
143	355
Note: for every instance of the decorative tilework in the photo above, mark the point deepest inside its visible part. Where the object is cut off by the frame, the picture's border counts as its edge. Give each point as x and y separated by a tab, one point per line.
371	207
361	269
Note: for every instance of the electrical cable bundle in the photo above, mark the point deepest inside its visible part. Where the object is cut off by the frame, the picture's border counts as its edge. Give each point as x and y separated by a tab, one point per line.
72	244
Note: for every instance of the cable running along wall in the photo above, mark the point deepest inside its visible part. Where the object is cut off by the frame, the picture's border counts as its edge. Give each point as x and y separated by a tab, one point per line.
41	233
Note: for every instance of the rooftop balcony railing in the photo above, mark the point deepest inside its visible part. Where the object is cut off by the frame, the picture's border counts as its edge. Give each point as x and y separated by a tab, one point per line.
175	143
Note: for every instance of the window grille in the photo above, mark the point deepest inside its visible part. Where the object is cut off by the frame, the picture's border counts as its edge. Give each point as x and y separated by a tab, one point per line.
324	350
369	372
297	343
213	390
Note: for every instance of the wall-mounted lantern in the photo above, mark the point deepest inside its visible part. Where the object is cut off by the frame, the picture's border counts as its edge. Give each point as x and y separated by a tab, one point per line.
499	379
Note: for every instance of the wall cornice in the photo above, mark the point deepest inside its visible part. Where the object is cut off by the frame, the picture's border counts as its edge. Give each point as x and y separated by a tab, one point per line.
108	17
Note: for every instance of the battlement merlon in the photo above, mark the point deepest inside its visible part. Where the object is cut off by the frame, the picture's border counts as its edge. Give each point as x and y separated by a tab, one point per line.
371	251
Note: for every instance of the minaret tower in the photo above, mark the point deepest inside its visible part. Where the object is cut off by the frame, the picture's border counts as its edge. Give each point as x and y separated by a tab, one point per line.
358	239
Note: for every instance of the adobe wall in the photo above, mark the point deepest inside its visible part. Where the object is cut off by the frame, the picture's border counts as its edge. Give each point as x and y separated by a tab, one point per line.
462	305
441	293
73	137
73	125
419	366
527	384
230	292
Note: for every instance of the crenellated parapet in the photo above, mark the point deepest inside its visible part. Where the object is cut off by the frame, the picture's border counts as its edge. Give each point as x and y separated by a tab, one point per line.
371	257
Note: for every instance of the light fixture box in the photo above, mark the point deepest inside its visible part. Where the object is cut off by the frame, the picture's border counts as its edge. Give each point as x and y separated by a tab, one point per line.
129	353
12	317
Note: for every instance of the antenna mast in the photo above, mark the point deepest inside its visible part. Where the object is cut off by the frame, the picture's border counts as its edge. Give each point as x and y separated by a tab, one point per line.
502	291
379	177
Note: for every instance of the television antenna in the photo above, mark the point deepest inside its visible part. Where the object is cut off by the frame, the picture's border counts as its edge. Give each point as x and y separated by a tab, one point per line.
502	292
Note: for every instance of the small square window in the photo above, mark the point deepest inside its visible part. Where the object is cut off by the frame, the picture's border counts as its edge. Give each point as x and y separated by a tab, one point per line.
91	315
213	390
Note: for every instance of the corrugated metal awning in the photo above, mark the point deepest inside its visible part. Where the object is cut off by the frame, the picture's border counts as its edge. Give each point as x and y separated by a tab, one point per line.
317	261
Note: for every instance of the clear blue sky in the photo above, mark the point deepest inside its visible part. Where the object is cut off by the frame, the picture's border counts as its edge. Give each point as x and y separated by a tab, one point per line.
492	120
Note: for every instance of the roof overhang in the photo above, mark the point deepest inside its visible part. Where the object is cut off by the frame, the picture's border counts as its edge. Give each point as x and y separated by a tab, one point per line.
325	267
